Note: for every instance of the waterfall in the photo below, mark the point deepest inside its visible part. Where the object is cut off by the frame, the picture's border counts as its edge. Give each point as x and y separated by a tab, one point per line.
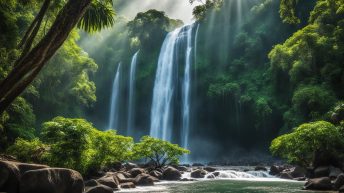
131	114
161	112
186	90
177	44
114	108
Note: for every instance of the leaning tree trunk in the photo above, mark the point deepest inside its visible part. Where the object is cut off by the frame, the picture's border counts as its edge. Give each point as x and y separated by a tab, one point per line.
29	64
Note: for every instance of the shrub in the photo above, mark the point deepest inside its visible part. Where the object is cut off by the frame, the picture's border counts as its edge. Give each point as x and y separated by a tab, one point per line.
28	151
307	141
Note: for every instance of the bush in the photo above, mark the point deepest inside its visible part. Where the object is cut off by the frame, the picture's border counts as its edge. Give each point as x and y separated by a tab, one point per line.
158	151
28	151
307	141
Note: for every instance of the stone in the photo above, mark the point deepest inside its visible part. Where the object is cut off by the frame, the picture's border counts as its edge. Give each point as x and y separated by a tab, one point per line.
260	168
120	176
197	165
171	173
52	180
9	177
334	172
286	175
182	168
209	169
322	171
129	166
128	185
144	180
298	172
136	171
323	183
108	181
339	182
100	189
216	174
156	174
275	170
199	173
91	183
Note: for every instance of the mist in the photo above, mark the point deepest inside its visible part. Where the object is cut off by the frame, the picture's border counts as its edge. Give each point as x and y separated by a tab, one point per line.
176	9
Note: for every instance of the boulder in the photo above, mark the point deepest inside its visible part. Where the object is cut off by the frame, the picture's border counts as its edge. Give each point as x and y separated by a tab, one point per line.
197	165
339	182
341	189
323	183
120	176
129	166
182	168
156	174
171	173
199	173
52	180
91	183
260	168
275	170
211	176
209	169
109	181
9	177
144	180
216	174
286	175
322	171
136	171
298	172
128	185
100	189
334	172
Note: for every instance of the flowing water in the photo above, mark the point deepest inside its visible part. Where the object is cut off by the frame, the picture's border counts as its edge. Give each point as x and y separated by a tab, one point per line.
186	90
114	108
131	105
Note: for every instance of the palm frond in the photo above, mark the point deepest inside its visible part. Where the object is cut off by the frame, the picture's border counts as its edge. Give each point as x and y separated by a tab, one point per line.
98	16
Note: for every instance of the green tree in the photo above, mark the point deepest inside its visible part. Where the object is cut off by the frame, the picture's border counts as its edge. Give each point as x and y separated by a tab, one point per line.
91	15
158	151
306	142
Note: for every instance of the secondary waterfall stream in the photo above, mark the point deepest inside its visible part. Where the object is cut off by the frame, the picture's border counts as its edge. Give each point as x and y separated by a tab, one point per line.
114	108
131	105
177	44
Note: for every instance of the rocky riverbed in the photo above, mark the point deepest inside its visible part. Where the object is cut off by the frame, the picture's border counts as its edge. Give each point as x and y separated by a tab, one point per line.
16	177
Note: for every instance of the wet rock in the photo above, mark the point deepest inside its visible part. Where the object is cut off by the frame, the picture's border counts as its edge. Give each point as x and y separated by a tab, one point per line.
120	176
156	174
334	172
322	171
286	175
298	172
171	173
260	168
129	166
91	183
136	171
52	180
9	177
323	183
197	165
339	182
199	173
275	170
182	168
300	179
109	181
216	174
209	169
100	189
128	185
145	180
186	180
210	176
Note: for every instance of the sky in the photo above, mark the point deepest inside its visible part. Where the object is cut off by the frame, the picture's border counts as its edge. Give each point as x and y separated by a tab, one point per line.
175	9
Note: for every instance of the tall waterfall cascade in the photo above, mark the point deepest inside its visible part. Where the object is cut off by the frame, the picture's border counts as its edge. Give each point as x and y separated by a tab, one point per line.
179	43
114	107
131	105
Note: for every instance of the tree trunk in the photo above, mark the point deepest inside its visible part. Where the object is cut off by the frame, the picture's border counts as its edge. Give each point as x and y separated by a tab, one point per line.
29	64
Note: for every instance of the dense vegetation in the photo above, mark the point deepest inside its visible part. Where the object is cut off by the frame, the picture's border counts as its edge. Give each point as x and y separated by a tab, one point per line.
258	72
